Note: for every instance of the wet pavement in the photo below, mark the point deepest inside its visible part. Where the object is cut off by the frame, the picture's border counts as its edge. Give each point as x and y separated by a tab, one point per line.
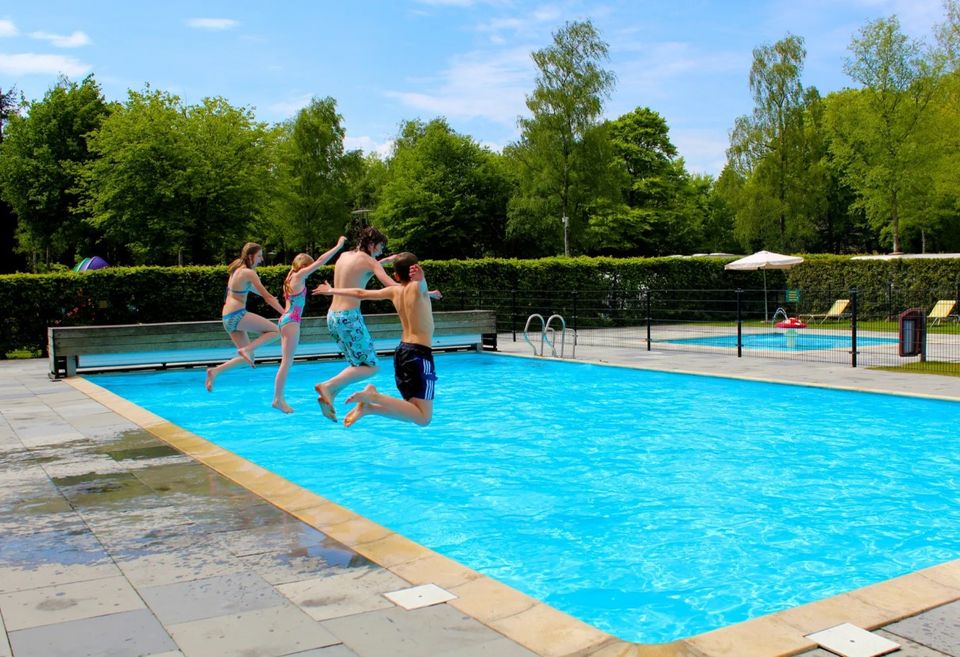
112	543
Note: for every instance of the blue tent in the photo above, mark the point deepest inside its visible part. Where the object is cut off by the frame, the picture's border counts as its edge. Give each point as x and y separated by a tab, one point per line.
89	264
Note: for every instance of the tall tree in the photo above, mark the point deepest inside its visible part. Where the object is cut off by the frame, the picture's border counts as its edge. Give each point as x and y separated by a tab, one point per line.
10	260
445	196
876	131
42	154
560	153
314	194
767	147
178	184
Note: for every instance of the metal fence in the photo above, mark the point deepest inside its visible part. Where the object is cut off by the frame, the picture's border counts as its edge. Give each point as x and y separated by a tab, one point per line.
880	327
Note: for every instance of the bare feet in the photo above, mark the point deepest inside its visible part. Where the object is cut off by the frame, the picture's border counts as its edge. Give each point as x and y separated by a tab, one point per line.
364	395
358	412
281	405
326	402
245	355
211	375
363	398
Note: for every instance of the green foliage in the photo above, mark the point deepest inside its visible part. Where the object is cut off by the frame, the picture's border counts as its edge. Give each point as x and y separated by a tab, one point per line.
178	184
878	130
664	210
313	192
563	155
40	157
776	152
445	196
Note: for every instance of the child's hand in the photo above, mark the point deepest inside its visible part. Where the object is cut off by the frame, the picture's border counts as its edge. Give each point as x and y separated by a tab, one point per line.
341	242
416	274
323	288
435	295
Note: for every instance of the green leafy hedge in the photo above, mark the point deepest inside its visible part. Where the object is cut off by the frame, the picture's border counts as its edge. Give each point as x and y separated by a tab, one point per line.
159	294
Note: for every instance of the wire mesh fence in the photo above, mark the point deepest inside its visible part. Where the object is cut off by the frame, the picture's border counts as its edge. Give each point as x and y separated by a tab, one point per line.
881	327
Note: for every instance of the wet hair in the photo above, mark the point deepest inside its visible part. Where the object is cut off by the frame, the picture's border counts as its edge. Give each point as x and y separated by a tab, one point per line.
300	261
370	237
402	264
247	255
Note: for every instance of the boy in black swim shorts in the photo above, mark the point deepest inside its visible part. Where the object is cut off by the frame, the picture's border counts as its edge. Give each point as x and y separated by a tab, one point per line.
413	361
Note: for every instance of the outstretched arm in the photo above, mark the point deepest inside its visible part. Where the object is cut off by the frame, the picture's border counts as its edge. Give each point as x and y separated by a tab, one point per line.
322	260
271	300
355	292
385	279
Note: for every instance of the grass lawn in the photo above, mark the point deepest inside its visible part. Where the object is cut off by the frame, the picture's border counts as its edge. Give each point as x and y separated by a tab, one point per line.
929	367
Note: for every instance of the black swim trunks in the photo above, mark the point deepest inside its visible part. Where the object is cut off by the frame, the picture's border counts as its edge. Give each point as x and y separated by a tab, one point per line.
414	371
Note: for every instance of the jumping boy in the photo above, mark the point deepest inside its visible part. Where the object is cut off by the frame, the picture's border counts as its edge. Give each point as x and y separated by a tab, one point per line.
413	360
344	321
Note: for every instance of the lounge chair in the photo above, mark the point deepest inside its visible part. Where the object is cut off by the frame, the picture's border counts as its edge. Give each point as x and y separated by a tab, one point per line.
942	310
837	311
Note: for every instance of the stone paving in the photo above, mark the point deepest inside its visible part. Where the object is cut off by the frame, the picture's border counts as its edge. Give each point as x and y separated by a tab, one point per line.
114	544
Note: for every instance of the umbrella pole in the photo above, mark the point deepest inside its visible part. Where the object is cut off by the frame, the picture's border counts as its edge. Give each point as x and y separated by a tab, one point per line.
766	313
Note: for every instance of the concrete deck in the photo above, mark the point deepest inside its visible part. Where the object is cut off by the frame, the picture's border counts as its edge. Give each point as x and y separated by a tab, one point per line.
114	543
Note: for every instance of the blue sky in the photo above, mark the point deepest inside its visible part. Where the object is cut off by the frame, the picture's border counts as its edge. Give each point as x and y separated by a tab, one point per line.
467	60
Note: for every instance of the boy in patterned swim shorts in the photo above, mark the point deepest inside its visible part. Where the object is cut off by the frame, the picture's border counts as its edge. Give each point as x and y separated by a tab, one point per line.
413	361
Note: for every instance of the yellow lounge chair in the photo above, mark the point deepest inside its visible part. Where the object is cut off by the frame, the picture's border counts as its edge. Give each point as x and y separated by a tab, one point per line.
942	310
837	311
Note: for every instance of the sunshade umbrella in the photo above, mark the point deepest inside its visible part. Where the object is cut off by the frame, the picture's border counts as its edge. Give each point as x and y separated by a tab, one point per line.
764	260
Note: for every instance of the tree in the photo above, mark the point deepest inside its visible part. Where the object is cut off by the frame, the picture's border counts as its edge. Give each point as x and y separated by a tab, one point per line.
9	259
178	184
560	152
767	148
445	196
42	154
313	198
649	221
876	131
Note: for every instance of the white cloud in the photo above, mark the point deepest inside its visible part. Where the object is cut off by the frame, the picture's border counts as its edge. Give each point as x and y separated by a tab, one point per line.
7	28
288	108
74	40
447	3
485	85
212	23
703	151
368	145
34	64
661	67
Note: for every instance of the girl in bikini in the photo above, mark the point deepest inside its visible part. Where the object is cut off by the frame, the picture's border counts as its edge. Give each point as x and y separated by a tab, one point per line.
242	279
295	290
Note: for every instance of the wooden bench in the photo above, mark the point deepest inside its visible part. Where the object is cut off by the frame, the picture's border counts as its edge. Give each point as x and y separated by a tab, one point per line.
92	348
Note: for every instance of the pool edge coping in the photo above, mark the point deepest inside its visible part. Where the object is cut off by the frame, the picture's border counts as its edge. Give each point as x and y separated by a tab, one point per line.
544	630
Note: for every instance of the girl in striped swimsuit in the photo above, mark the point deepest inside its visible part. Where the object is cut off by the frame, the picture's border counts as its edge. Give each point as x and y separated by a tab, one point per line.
295	290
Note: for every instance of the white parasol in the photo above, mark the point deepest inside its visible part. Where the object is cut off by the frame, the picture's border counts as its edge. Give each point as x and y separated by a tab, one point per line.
764	260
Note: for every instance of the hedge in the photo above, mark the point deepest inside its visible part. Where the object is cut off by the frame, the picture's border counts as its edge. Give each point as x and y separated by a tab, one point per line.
122	295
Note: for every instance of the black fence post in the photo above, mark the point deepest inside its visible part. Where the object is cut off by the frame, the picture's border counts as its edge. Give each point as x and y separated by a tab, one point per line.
575	297
649	319
739	324
853	327
513	313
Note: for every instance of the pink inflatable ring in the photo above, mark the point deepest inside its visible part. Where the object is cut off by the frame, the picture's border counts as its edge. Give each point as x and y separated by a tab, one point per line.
791	322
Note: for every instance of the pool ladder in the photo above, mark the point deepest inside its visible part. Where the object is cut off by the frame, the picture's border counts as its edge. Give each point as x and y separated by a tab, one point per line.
548	335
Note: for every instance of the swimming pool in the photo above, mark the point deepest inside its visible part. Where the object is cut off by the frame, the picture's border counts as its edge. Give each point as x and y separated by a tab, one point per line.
649	504
781	341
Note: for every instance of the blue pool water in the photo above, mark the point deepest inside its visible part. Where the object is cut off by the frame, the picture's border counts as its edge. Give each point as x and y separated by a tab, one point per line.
780	341
651	505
